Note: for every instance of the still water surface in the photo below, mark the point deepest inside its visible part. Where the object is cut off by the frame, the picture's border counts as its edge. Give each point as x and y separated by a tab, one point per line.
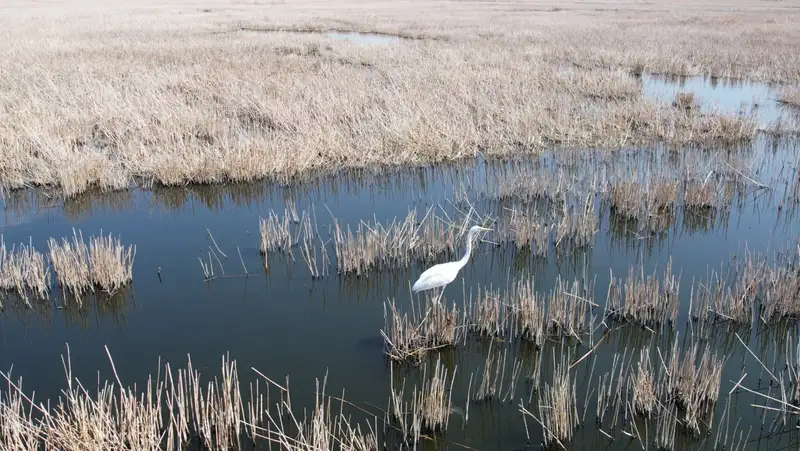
283	322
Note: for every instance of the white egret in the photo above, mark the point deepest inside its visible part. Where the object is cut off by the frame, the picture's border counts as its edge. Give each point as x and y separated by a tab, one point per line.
442	274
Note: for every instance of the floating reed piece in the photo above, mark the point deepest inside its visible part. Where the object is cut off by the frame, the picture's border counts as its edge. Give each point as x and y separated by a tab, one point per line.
105	263
429	410
427	328
649	301
23	271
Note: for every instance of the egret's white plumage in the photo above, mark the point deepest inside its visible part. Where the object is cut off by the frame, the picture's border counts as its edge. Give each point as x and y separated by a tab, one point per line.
442	274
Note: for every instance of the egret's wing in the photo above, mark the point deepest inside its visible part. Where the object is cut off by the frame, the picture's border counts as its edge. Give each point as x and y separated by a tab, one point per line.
435	276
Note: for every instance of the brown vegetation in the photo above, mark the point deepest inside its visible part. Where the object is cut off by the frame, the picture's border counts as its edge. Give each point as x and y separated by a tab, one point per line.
173	96
649	301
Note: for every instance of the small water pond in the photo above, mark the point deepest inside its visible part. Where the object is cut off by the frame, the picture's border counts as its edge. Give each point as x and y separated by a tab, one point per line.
720	94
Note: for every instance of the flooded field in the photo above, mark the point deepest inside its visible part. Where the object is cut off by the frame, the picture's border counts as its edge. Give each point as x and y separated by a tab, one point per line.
643	297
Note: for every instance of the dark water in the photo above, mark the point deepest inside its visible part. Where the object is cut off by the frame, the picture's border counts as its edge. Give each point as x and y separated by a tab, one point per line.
284	322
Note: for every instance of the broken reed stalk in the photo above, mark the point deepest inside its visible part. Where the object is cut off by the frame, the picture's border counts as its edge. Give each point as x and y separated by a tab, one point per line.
23	271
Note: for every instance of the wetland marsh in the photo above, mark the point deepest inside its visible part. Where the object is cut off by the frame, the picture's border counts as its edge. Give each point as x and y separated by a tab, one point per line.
220	253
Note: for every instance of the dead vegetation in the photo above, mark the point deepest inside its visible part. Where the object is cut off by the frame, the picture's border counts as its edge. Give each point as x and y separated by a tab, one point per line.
790	97
105	263
174	410
429	410
84	121
428	327
23	271
647	300
395	244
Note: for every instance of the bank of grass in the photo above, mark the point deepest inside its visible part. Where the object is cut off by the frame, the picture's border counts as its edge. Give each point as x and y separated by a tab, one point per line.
205	95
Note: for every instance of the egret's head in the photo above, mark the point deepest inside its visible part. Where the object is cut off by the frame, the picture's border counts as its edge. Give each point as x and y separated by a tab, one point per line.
475	229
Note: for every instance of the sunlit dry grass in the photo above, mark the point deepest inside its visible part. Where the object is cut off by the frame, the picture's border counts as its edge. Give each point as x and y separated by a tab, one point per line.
173	410
104	263
24	271
109	99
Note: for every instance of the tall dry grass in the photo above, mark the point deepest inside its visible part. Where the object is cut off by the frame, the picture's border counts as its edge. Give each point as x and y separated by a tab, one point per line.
105	263
108	98
24	271
174	410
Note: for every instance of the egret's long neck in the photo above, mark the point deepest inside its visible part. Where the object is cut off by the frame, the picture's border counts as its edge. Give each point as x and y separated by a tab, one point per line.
465	258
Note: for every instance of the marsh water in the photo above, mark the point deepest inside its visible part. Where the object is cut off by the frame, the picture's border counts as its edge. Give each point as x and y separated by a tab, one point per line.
283	322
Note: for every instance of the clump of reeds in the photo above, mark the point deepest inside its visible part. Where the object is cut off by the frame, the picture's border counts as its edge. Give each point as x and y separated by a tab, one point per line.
577	227
430	406
105	263
276	233
645	401
568	313
650	204
693	379
790	97
527	232
169	413
558	408
730	297
699	195
377	245
646	300
322	431
487	313
23	271
528	310
685	101
425	329
781	292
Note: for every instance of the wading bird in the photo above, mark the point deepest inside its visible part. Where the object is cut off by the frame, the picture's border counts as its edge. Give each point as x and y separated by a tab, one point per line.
442	274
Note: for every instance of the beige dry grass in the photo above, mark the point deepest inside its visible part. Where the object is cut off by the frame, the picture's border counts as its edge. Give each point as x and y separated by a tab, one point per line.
104	263
170	411
210	91
790	97
23	271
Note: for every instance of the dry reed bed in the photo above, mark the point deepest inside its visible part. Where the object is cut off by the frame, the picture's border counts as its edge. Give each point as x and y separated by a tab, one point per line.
371	105
747	293
429	410
282	234
647	300
23	271
520	312
104	264
397	243
174	410
677	387
790	97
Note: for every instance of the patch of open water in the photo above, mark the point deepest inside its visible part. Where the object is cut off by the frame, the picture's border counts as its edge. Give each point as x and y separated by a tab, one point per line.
720	94
282	322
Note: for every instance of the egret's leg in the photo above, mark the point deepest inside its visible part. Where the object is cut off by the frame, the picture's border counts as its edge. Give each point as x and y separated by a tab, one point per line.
441	293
